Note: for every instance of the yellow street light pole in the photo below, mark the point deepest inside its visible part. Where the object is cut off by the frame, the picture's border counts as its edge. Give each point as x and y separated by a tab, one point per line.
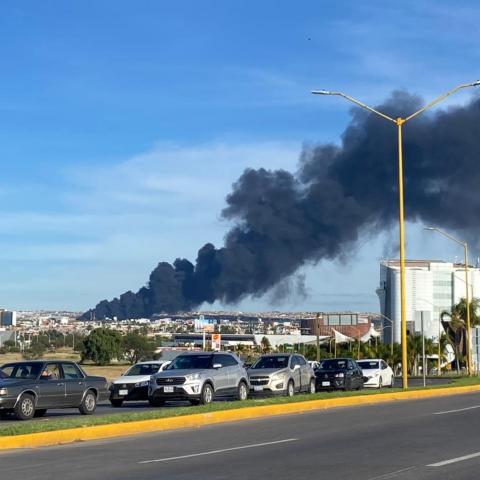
399	121
467	293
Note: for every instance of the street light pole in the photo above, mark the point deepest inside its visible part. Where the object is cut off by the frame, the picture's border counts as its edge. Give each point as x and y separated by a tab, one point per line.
317	318
399	121
392	327
467	292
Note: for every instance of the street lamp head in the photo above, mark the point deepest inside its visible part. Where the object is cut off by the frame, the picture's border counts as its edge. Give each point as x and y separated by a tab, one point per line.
476	84
322	92
429	228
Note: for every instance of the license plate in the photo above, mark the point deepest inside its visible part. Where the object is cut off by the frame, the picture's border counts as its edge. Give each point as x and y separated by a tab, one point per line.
123	392
257	388
168	389
325	384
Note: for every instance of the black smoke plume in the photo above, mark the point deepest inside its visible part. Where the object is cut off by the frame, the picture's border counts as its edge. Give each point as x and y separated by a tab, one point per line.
283	220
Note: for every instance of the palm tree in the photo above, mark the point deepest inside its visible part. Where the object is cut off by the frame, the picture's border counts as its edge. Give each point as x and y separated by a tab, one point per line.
454	324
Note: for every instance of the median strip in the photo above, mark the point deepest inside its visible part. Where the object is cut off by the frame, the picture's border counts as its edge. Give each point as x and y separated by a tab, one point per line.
237	411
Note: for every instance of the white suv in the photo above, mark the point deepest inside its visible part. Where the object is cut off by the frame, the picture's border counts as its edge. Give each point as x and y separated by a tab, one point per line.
199	377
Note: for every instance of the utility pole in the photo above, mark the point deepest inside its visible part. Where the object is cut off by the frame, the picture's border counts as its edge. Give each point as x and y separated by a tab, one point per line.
318	336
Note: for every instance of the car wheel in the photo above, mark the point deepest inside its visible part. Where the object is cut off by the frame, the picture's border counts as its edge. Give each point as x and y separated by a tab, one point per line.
312	388
25	407
116	403
40	412
89	403
156	402
380	383
290	392
242	391
207	394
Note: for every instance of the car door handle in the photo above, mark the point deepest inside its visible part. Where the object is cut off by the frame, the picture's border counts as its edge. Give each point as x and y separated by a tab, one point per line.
61	384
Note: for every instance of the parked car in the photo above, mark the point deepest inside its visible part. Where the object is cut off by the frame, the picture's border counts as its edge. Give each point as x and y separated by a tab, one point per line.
200	377
376	373
29	388
339	374
281	374
133	384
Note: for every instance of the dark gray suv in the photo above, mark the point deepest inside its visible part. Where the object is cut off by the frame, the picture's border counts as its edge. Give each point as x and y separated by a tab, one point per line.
199	377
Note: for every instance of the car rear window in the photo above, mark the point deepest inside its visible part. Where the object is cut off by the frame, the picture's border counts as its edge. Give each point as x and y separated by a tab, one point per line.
144	369
191	362
368	364
271	362
22	370
333	364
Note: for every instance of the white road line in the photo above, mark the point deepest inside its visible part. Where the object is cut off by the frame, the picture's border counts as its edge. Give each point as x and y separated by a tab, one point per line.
213	452
458	410
455	460
386	476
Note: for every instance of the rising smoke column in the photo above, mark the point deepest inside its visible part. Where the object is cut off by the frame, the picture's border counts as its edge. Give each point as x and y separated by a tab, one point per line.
283	220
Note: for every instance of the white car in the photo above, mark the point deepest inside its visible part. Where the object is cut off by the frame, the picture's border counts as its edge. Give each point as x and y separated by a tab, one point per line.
376	373
133	384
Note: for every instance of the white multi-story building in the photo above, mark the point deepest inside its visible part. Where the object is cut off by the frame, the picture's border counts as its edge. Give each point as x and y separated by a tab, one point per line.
431	287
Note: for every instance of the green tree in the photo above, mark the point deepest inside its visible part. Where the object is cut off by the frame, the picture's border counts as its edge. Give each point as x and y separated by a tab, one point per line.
102	345
34	351
454	323
137	347
265	344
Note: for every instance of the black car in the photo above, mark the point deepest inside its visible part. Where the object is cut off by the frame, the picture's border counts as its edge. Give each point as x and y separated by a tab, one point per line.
338	374
29	388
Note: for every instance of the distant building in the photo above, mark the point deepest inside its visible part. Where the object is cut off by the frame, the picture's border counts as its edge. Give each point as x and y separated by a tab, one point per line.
352	324
7	318
431	287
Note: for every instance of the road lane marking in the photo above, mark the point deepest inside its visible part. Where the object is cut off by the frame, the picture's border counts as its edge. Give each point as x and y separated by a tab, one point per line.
454	460
394	474
213	452
457	410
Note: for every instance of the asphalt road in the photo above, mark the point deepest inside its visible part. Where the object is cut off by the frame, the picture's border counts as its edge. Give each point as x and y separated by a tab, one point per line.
105	408
421	439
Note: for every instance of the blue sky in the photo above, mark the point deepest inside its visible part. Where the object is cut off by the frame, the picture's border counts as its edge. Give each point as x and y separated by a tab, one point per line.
124	124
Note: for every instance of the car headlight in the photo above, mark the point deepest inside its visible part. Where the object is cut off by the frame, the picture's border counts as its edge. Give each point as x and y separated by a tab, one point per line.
3	391
277	377
192	377
339	375
142	384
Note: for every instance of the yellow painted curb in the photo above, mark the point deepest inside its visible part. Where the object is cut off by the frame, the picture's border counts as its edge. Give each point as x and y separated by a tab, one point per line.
201	419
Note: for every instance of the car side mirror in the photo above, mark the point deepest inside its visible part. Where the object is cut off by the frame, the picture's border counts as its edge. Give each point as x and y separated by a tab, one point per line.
296	367
217	365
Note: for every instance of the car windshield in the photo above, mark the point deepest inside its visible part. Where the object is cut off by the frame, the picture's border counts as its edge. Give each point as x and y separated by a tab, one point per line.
191	362
333	364
368	364
24	370
144	369
271	362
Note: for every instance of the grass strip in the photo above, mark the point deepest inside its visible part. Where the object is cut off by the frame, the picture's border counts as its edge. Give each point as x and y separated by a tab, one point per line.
23	428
